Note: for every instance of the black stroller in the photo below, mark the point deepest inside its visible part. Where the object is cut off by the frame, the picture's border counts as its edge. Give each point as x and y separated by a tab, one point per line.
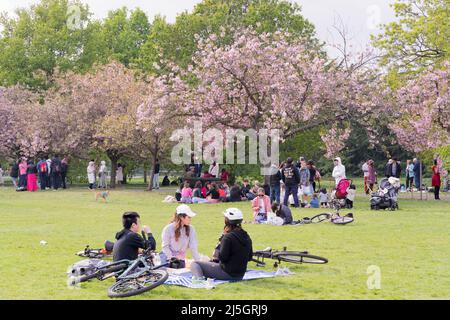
387	195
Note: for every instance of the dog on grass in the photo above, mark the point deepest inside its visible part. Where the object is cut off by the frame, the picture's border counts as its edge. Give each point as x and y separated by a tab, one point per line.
104	195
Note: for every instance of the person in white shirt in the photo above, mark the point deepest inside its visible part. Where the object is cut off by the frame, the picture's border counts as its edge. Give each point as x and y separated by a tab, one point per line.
214	169
338	171
365	169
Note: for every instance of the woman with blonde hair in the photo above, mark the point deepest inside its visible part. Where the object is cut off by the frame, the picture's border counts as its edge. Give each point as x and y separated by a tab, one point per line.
178	237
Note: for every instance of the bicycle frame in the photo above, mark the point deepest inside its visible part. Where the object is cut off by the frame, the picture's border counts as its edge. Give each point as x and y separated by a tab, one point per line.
128	273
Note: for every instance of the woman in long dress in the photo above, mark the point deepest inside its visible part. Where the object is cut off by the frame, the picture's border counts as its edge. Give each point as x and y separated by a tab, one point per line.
91	174
32	177
119	174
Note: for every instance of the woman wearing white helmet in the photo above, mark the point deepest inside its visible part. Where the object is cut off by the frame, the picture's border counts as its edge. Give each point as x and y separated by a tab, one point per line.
179	236
232	254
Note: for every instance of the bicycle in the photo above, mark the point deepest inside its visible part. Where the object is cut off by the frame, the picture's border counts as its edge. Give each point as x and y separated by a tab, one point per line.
96	253
133	277
297	257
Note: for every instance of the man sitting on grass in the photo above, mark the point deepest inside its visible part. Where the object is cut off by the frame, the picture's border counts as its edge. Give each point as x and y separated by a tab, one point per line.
129	241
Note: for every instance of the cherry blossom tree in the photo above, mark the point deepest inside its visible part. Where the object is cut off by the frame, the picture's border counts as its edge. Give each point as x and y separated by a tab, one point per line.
422	109
19	118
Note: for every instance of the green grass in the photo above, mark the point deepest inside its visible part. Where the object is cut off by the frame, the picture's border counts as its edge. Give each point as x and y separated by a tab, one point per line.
410	246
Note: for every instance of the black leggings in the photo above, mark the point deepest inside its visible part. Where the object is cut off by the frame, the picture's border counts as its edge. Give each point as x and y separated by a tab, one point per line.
436	192
210	270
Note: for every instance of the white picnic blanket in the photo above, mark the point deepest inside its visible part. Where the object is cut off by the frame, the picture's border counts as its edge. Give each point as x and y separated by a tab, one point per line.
184	278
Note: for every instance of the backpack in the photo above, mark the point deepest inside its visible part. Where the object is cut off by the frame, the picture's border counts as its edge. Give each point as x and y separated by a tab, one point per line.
43	167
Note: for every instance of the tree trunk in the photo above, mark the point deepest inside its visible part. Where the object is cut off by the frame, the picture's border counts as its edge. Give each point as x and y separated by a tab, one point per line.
145	175
152	176
114	157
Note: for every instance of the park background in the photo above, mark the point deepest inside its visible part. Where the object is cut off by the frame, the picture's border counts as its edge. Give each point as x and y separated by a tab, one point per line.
52	101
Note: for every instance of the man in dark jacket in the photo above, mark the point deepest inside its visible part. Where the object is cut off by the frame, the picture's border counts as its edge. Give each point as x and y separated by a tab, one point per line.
274	183
42	168
56	172
14	174
129	241
291	179
394	169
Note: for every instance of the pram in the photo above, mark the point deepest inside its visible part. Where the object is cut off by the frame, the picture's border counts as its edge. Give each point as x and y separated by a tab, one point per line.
387	195
339	196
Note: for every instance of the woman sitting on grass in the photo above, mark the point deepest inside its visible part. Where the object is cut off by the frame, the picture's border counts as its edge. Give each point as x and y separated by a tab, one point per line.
261	206
186	193
179	236
213	195
198	195
232	254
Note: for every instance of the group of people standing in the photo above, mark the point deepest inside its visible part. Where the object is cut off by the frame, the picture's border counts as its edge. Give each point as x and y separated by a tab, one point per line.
413	174
102	172
47	173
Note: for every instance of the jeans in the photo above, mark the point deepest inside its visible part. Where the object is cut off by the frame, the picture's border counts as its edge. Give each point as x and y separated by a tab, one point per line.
436	192
211	270
23	181
275	194
14	182
156	181
417	182
43	180
293	189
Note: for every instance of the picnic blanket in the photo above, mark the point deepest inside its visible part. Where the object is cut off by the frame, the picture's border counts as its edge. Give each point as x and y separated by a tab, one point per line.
184	278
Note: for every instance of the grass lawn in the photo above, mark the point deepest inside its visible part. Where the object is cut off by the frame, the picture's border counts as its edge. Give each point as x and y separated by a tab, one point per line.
411	247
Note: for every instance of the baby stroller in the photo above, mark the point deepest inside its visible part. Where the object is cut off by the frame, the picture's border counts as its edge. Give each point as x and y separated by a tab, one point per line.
387	195
339	196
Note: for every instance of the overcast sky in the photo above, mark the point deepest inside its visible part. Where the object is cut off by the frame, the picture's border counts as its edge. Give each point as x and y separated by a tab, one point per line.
361	17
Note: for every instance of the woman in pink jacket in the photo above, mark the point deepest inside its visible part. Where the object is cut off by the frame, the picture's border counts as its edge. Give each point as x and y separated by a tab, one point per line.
261	206
23	166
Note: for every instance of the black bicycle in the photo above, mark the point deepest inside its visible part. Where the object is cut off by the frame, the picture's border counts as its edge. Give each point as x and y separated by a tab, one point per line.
286	256
95	253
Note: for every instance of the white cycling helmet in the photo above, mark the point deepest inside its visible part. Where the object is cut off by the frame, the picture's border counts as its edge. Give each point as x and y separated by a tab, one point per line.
234	215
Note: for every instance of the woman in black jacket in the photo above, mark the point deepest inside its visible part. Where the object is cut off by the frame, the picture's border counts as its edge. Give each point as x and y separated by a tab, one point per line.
232	254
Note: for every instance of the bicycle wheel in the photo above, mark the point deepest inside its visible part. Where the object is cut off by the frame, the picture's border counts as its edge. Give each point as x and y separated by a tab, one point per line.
321	217
103	271
134	286
299	257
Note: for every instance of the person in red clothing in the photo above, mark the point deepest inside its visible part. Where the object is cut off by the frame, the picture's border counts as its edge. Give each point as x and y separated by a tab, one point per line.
224	176
436	180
